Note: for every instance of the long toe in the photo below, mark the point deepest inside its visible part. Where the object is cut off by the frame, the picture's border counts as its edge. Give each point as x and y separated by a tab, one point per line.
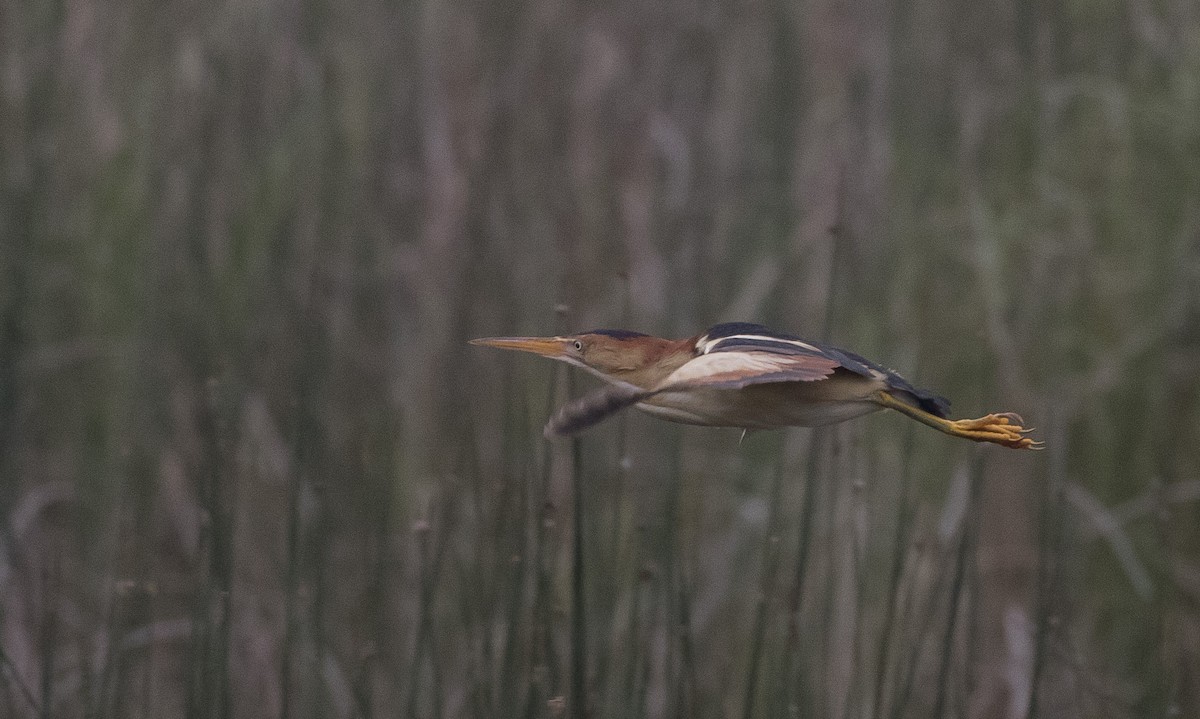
1003	429
991	422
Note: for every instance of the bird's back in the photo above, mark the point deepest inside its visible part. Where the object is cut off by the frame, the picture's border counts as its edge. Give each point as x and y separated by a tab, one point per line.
745	336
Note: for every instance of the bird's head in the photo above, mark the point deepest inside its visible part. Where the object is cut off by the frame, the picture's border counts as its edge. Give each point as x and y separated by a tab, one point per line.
615	355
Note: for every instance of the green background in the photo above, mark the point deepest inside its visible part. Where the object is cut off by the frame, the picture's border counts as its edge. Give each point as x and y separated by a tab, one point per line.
249	466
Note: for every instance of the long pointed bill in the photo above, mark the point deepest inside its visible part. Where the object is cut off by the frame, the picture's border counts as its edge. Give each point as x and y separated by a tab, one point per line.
553	347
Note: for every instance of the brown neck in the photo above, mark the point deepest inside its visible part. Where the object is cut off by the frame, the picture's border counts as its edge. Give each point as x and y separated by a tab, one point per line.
659	360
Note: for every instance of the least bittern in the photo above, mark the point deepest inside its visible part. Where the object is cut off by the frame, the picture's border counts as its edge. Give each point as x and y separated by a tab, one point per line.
747	376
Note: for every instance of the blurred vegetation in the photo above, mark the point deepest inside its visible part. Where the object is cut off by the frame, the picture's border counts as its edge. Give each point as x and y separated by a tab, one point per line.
251	468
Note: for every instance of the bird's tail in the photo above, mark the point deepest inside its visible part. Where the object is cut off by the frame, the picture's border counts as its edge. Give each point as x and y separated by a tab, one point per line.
934	404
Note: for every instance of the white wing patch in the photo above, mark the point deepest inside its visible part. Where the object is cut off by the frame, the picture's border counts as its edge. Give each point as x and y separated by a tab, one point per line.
739	369
705	345
727	362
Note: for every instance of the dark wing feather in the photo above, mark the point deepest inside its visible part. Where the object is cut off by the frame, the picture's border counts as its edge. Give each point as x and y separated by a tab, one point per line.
929	401
736	336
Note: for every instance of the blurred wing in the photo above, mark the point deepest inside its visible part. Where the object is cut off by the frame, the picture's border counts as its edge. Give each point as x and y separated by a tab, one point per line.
578	415
719	370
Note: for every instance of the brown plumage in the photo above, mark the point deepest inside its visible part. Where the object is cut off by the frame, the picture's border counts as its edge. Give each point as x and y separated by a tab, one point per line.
747	376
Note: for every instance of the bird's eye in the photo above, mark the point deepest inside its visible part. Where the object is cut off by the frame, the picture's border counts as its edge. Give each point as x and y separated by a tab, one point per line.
578	346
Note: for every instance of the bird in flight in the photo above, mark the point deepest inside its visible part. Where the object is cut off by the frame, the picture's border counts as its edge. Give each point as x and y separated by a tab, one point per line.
748	376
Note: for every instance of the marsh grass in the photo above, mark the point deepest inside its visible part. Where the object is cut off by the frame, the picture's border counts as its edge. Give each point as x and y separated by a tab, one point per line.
251	468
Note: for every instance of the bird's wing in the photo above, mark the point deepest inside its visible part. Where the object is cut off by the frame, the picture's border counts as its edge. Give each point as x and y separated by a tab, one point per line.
739	336
727	369
579	414
737	368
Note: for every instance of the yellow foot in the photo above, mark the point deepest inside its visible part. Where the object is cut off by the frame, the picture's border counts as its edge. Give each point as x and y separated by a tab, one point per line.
1003	428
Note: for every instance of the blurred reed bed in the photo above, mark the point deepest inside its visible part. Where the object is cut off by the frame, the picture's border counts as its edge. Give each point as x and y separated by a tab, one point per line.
251	468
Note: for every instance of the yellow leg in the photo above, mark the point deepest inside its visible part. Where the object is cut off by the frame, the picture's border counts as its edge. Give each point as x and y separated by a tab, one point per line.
1003	428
